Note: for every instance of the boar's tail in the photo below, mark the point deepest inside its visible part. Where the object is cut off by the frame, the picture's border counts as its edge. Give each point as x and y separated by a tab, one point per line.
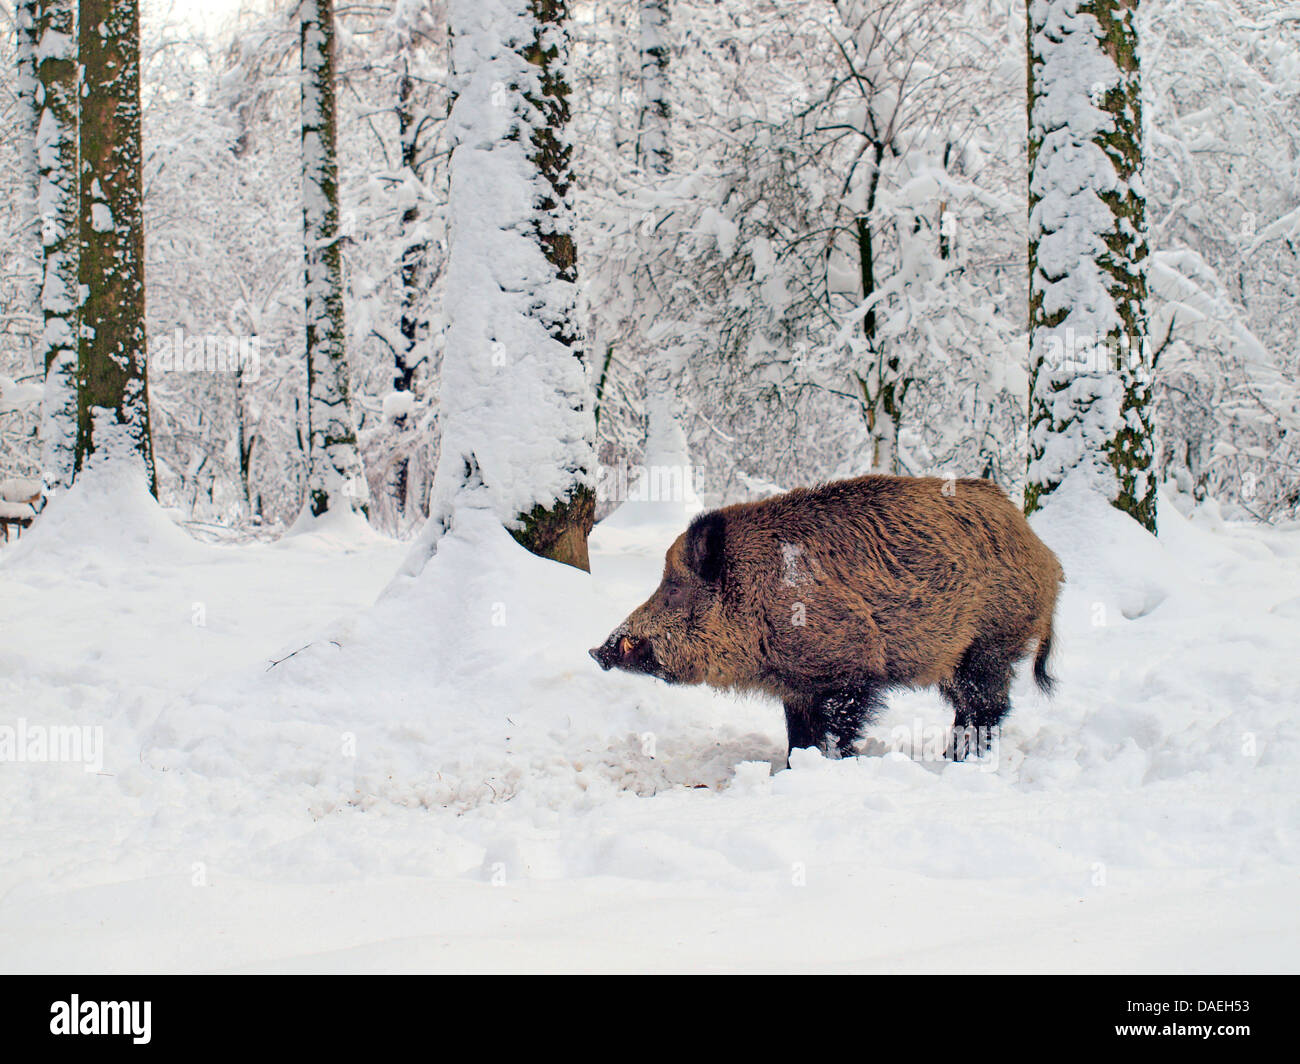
1044	680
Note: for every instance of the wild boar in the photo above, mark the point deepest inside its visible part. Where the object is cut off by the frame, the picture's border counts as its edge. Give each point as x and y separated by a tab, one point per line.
827	597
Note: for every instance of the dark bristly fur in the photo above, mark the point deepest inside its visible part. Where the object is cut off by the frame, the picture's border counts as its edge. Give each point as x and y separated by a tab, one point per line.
827	597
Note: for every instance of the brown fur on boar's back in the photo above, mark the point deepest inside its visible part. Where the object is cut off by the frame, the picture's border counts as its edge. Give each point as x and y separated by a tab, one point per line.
826	596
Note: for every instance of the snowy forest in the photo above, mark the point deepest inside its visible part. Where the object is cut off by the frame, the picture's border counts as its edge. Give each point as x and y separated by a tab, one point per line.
799	230
328	328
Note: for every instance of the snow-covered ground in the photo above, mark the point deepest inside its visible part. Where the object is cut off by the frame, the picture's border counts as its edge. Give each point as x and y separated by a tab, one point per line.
435	776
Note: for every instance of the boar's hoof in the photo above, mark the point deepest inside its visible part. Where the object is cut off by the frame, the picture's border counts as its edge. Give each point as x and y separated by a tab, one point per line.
971	741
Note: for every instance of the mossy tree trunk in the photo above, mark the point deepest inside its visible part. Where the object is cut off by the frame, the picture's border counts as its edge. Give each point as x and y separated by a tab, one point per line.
516	408
557	529
1090	369
112	377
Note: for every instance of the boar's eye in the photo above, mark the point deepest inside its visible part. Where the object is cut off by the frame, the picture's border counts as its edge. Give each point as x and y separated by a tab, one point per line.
674	594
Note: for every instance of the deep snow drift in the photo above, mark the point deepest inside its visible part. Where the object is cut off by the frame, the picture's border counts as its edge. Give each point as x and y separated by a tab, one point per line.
432	774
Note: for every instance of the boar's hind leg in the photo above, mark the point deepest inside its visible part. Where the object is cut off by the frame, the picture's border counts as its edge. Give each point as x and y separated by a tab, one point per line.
832	721
979	693
845	713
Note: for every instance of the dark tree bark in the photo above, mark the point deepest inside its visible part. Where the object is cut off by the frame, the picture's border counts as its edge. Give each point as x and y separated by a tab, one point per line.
112	377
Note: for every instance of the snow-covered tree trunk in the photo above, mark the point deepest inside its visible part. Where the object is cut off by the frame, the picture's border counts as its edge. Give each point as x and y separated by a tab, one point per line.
28	90
654	152
867	52
653	148
411	324
883	384
1090	402
616	44
517	426
57	196
334	473
113	392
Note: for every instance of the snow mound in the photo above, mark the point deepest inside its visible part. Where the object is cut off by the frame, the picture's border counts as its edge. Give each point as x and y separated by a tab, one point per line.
1167	652
467	682
660	494
341	528
1110	559
107	516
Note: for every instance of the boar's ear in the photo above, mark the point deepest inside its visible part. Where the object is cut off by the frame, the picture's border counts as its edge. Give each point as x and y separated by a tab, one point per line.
705	544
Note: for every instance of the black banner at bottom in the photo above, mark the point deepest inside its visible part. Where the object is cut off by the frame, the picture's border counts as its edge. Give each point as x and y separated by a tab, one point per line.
334	1013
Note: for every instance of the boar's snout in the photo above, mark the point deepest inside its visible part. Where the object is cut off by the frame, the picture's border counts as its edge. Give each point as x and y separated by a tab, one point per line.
625	651
604	655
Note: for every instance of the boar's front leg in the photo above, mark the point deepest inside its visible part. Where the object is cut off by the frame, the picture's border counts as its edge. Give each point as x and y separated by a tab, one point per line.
800	729
830	720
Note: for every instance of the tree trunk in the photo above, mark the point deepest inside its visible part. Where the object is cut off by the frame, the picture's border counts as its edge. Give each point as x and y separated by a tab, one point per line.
112	378
334	473
617	36
557	529
517	427
28	93
411	324
1090	396
246	440
653	151
58	195
883	388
